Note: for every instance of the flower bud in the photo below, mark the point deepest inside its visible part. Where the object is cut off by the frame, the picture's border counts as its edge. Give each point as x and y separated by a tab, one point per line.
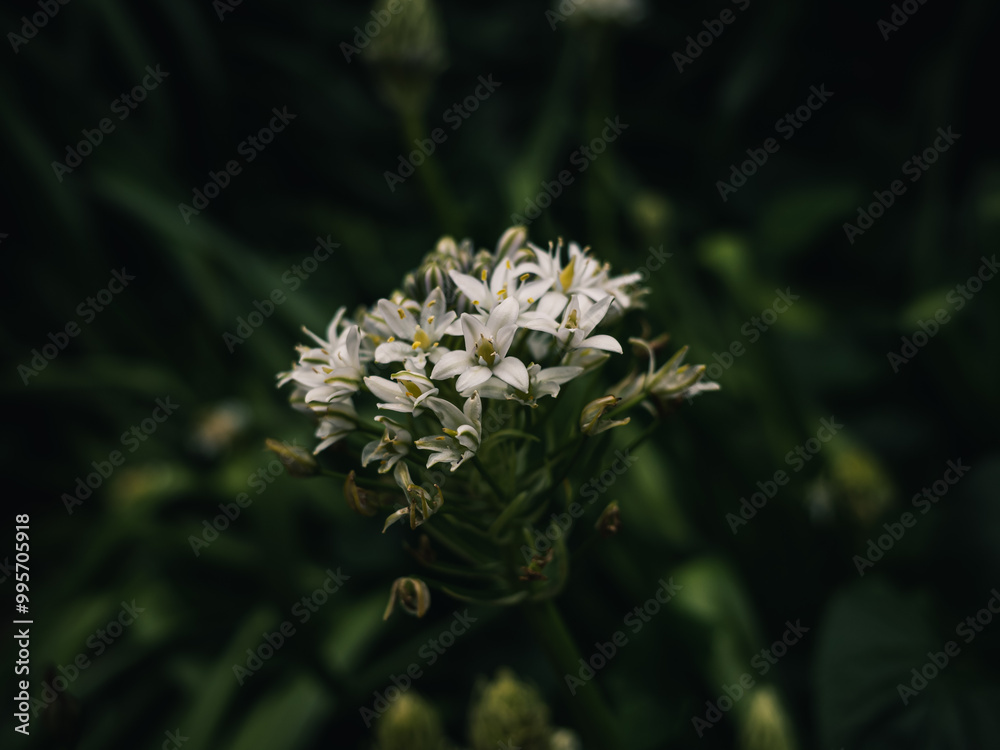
610	522
408	54
592	420
297	461
410	723
512	710
414	597
766	726
510	242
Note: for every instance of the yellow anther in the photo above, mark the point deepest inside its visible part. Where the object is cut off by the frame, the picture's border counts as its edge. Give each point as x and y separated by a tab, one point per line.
453	433
430	318
483	275
531	300
524	276
432	303
402	315
391	339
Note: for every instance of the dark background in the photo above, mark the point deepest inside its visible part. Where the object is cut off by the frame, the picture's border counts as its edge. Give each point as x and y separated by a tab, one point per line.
656	185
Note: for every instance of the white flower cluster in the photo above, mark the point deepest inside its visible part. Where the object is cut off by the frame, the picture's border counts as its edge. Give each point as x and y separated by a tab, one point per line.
514	324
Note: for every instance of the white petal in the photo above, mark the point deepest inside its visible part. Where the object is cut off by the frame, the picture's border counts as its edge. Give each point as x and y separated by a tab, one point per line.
471	378
472	328
503	314
512	370
451	364
503	339
602	341
595	314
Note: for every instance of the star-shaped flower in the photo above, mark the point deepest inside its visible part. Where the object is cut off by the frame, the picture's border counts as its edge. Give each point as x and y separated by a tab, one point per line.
462	431
485	354
415	340
405	392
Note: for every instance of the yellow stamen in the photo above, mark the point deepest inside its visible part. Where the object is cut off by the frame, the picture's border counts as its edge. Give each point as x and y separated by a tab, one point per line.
531	300
483	275
453	433
391	339
524	276
432	303
402	315
430	318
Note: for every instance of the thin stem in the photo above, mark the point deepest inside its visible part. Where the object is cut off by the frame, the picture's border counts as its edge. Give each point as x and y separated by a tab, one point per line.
501	495
592	714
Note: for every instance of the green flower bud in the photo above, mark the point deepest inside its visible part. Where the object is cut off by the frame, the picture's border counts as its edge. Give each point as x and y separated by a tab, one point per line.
766	726
408	54
592	421
512	712
297	461
410	723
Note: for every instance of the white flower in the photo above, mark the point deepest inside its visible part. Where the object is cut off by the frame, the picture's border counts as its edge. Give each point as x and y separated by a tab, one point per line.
414	340
541	383
581	275
406	391
462	432
336	423
395	444
507	282
332	371
485	355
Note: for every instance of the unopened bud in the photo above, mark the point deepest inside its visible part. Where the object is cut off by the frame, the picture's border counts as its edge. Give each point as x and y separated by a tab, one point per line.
410	723
510	709
296	461
510	242
414	597
592	421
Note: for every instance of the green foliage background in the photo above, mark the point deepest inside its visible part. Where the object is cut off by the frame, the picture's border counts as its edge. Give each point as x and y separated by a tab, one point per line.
656	185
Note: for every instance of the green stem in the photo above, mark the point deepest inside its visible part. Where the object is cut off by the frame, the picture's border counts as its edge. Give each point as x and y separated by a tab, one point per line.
501	495
592	715
433	179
